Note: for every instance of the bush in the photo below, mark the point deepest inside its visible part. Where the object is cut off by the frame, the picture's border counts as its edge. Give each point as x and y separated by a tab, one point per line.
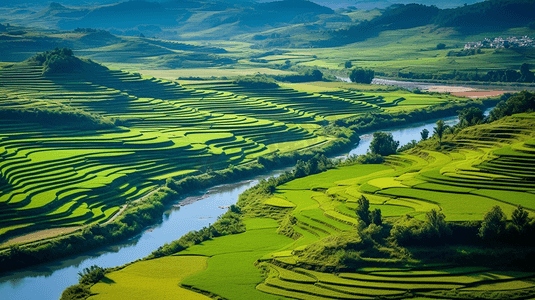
441	46
91	275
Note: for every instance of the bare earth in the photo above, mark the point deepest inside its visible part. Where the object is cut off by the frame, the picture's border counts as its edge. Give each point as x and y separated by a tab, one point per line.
481	94
466	92
39	235
451	89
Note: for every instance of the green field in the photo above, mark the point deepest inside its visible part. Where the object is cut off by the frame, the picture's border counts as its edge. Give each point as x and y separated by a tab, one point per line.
54	176
482	171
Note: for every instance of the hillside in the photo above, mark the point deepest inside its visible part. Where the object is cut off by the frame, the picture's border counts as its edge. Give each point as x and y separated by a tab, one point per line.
487	16
304	239
163	130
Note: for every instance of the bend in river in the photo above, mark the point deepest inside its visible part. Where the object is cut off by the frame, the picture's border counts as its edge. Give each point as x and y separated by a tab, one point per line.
50	279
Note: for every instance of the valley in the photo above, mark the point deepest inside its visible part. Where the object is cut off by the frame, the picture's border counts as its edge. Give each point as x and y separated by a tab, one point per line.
216	149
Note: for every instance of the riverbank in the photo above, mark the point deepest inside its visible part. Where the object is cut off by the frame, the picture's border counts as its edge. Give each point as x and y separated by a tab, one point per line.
174	223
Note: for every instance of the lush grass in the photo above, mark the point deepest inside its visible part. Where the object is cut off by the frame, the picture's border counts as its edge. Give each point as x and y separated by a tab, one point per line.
318	212
158	278
234	256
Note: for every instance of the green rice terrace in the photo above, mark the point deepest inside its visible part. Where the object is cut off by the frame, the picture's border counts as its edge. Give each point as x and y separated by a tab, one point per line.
305	241
56	176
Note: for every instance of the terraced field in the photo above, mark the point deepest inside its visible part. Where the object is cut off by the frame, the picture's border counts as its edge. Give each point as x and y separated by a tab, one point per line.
487	165
52	176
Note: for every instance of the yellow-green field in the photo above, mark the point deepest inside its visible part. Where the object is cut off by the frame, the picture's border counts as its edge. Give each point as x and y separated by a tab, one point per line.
157	279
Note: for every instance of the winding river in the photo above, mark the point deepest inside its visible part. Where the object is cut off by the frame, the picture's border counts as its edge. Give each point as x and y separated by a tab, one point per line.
47	281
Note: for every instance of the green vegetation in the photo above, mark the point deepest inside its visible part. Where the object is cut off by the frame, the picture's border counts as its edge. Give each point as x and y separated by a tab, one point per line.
361	75
365	231
383	144
140	131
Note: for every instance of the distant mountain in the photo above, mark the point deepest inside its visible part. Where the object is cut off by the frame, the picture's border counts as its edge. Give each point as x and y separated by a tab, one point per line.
126	15
169	18
371	4
488	16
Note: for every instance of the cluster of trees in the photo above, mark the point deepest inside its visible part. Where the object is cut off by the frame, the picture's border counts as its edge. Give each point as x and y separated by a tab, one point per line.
305	76
410	231
365	215
523	75
383	144
465	52
59	60
360	75
494	229
257	82
519	103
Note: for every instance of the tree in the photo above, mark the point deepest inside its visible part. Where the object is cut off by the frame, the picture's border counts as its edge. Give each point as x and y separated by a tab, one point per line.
527	75
363	210
520	218
493	225
376	217
383	144
361	75
424	134
348	64
314	74
435	224
441	46
471	116
439	130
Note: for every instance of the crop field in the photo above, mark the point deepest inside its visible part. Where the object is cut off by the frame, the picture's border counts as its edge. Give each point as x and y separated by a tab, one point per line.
489	164
463	184
155	279
53	176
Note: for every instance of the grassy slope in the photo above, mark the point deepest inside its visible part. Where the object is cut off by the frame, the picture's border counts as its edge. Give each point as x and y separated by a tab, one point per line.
404	50
55	177
323	205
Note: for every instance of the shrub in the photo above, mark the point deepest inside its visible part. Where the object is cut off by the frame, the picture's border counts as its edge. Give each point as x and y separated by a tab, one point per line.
441	46
91	275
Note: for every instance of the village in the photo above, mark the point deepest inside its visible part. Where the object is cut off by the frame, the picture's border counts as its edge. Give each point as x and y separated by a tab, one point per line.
499	42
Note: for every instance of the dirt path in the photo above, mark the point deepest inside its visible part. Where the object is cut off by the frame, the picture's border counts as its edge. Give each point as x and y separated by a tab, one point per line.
39	235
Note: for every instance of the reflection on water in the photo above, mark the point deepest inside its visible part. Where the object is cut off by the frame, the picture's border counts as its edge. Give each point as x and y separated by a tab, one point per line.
47	281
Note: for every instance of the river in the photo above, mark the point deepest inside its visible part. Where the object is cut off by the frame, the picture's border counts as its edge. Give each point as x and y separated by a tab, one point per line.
47	281
410	85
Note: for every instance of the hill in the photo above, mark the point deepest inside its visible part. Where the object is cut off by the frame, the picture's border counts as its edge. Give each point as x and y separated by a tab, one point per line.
159	129
488	16
304	237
